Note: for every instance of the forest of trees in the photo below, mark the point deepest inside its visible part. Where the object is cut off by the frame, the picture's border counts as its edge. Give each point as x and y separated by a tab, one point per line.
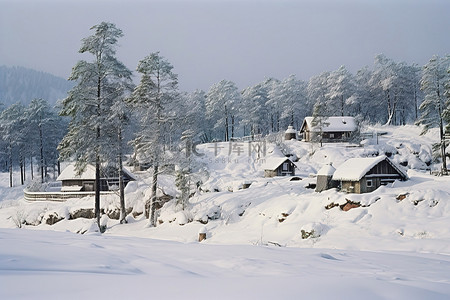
29	139
108	116
21	85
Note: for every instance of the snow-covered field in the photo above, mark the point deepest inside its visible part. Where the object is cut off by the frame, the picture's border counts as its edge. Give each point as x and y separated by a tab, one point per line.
47	264
274	239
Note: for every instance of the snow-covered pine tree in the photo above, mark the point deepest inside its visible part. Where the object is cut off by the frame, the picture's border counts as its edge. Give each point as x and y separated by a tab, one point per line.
254	111
88	104
340	91
319	121
39	115
195	111
435	109
152	99
317	90
118	118
291	96
220	106
12	131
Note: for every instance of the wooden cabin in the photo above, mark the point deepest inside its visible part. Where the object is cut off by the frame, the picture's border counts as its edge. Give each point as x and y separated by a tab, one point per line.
333	129
85	181
278	166
364	175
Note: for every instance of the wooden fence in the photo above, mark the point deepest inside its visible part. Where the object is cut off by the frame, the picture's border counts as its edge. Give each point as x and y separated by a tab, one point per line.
58	196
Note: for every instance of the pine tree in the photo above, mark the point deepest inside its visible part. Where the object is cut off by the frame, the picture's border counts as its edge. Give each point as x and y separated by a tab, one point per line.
220	106
254	111
435	109
153	99
341	90
88	104
12	121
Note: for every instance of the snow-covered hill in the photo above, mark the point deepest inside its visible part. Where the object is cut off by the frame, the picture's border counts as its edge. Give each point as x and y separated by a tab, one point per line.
395	245
409	216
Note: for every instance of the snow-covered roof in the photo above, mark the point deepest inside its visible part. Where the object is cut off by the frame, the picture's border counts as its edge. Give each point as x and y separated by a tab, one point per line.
129	173
290	129
335	124
274	162
355	168
70	173
326	170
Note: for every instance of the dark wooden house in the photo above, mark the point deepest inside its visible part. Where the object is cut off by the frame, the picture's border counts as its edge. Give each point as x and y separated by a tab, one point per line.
71	181
278	166
332	129
364	175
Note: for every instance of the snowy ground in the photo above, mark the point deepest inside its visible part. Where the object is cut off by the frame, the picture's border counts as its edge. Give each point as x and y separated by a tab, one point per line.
46	264
389	248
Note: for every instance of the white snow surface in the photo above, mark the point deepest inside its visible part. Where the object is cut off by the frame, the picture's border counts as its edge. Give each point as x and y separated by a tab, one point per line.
326	170
356	168
70	172
290	130
275	239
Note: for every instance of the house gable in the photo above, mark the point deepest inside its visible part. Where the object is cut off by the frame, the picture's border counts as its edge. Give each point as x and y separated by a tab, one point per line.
279	166
364	175
337	129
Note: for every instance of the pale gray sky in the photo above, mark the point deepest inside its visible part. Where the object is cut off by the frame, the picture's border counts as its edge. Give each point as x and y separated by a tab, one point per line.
242	41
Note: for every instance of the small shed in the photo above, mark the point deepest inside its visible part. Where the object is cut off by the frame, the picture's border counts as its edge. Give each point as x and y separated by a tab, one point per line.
364	175
290	133
278	166
333	129
85	181
325	178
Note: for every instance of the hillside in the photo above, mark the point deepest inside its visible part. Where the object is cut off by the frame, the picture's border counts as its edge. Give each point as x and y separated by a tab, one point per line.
18	84
277	210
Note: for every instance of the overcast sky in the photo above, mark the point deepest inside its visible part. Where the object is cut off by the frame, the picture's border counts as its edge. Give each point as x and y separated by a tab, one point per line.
242	41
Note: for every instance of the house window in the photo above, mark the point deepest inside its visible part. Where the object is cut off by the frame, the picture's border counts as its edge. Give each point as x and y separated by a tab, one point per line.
88	186
331	135
369	183
285	166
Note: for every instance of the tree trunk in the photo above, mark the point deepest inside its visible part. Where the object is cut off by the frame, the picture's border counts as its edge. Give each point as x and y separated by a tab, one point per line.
31	167
21	170
45	170
152	213
271	122
415	103
97	192
121	185
232	126
226	124
10	165
441	133
41	148
97	161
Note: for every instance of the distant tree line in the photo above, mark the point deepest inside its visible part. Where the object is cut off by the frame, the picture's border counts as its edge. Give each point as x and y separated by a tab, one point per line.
29	139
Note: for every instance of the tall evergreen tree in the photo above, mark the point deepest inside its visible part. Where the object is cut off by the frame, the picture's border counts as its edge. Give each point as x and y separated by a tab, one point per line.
341	91
12	127
435	109
88	104
220	106
153	97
